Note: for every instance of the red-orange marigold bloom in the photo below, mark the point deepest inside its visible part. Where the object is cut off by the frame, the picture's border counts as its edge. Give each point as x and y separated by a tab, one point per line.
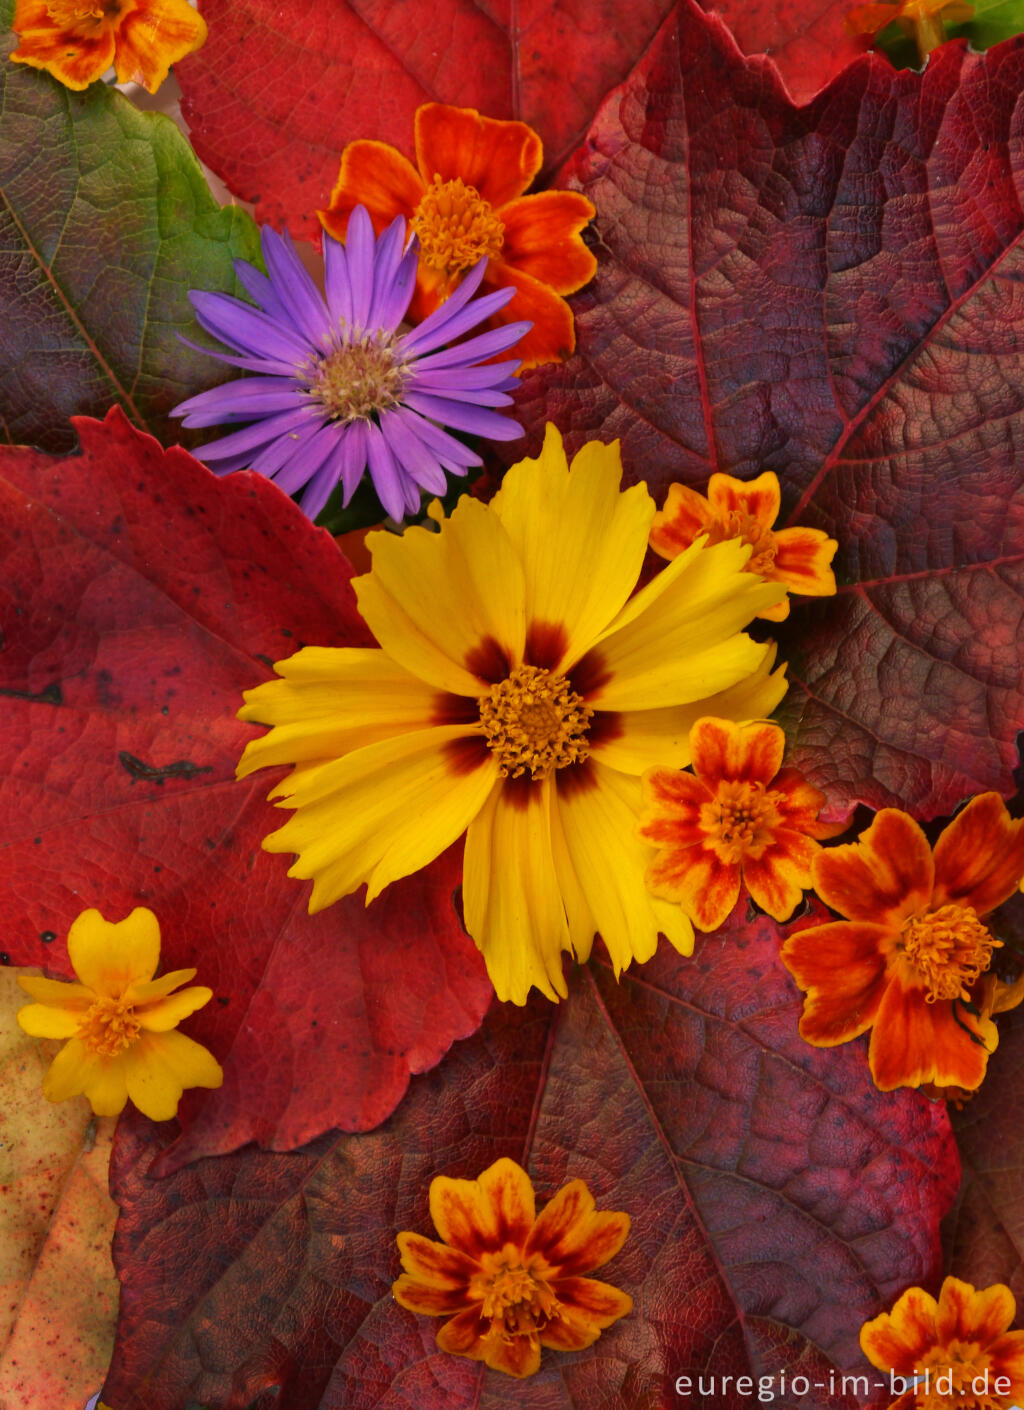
734	509
78	40
872	19
509	1280
907	962
464	198
961	1343
740	817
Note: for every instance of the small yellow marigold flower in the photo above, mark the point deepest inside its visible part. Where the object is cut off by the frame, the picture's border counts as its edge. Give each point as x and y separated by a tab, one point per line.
957	1351
800	559
119	1021
78	40
511	1278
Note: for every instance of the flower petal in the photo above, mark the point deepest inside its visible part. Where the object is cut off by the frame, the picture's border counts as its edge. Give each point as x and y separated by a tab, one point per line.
760	498
102	1082
108	956
434	1265
158	1068
723	750
897	1340
376	176
914	1042
43	1021
552	338
883	877
979	859
56	992
542	239
778	878
681	519
969	1314
161	1015
158	988
499	158
74	60
154	35
589	1303
572	1236
697	879
842	967
803	561
72	1068
481	1216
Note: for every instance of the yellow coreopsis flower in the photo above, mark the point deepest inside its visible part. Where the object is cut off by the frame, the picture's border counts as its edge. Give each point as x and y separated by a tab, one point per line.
518	694
119	1021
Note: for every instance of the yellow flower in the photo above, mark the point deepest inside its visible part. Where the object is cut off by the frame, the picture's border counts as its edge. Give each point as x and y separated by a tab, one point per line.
78	40
518	694
119	1021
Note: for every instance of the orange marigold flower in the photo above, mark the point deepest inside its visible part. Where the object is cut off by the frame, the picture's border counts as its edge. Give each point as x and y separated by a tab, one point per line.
957	1351
78	40
119	1021
907	962
464	198
508	1280
739	817
800	559
917	17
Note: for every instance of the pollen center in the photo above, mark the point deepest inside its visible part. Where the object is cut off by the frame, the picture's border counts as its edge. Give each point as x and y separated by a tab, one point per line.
535	720
737	524
456	227
359	378
952	1372
950	949
517	1299
82	15
109	1026
740	821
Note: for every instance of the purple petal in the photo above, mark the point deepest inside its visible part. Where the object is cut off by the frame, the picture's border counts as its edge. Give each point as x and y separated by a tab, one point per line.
384	473
260	288
476	420
391	302
248	329
470	316
259	433
414	456
353	459
359	248
336	281
491	374
248	364
295	288
452	304
318	491
277	454
309	456
250	397
448	450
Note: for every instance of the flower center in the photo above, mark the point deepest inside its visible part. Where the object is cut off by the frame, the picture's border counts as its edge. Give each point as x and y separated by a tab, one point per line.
952	1372
82	15
109	1027
522	1303
359	378
535	720
456	227
949	948
740	821
737	524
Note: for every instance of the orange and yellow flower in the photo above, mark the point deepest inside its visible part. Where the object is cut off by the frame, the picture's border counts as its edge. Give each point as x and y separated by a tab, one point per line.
739	818
464	199
922	18
800	559
518	694
509	1280
908	961
958	1351
120	1022
78	40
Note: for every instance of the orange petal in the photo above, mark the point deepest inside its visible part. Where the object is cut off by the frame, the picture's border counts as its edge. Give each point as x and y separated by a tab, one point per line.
574	1237
499	158
800	805
979	859
871	19
376	176
706	887
966	1314
842	967
803	561
515	1356
722	750
435	1265
590	1300
897	1340
1006	1357
152	37
75	61
914	1042
778	878
684	515
465	1335
428	1301
542	238
760	498
672	800
478	1216
885	876
553	335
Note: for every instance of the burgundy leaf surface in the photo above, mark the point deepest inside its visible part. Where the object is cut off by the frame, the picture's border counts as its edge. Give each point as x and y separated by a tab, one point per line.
806	39
141	596
833	293
278	90
777	1199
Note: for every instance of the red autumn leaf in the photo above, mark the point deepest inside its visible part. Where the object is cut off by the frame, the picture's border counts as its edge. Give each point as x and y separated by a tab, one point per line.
777	1200
277	90
142	595
832	293
807	40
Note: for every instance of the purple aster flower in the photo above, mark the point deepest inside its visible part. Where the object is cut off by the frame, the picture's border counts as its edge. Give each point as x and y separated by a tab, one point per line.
338	389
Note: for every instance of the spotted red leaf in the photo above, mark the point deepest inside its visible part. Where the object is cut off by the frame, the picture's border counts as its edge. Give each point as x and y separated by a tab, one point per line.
833	293
141	596
777	1199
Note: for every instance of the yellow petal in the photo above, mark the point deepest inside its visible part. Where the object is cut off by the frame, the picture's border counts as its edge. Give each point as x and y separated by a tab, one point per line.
108	957
43	1021
677	640
648	738
385	811
157	988
434	600
611	860
69	1071
105	1086
163	1014
510	892
480	1216
56	992
160	1066
330	700
579	919
581	542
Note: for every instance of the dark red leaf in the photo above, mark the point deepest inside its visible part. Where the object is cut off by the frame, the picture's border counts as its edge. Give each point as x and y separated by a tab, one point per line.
278	90
832	293
806	39
777	1201
141	596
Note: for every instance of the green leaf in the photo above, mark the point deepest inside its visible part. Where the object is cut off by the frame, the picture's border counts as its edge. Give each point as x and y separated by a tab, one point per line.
106	222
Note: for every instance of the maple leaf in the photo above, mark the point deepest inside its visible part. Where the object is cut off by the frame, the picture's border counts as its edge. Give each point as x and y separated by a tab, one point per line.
142	596
56	1222
776	1199
832	293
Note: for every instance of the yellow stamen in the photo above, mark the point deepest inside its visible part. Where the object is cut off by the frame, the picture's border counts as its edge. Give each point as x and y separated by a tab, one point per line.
950	949
738	524
741	821
516	1297
109	1027
535	720
456	227
958	1365
82	15
362	377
